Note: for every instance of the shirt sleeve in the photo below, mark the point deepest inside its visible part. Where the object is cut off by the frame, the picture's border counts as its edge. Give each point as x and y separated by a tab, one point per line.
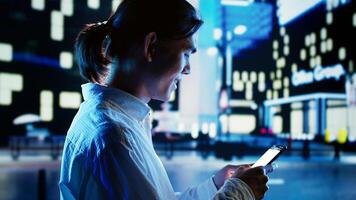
234	189
203	191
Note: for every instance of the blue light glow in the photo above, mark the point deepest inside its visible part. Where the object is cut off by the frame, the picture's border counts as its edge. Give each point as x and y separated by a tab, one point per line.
39	60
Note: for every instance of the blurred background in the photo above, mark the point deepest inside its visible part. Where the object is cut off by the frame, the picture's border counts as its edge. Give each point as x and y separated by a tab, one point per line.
266	72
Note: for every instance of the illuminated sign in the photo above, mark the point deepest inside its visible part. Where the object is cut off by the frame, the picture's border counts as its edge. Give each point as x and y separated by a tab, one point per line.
303	77
288	10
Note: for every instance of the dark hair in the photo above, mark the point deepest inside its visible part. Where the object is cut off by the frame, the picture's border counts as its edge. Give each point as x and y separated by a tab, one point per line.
127	27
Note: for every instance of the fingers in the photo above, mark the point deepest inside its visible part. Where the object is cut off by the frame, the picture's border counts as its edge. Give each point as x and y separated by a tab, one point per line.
264	179
258	170
256	178
270	168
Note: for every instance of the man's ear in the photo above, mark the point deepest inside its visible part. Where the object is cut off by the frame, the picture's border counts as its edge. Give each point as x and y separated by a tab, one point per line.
149	46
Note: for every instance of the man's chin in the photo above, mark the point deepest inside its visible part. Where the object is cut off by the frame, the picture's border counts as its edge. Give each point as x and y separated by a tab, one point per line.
163	98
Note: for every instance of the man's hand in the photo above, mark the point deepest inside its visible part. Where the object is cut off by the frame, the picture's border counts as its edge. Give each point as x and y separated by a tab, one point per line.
223	174
253	177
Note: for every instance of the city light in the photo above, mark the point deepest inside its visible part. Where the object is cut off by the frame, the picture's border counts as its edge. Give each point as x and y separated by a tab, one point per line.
240	29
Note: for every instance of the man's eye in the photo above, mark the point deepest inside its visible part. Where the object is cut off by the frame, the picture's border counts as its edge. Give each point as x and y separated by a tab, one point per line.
186	55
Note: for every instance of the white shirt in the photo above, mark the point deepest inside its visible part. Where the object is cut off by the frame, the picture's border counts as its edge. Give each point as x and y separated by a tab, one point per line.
108	154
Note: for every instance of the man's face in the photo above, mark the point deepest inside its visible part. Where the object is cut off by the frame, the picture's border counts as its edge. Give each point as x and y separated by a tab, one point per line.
173	58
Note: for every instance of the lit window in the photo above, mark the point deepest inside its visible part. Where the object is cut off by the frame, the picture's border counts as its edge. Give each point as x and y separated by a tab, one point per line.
307	40
261	86
354	20
303	54
312	51
5	97
195	130
205	128
329	44
240	29
249	91
277	84
312	38
323	33
217	34
275	94
342	53
236	80
335	3
67	7
286	50
94	4
286	82
297	105
12	82
294	67
286	92
277	124
9	83
282	62
275	54
275	44
57	26
269	94
253	77
329	5
271	75
6	52
242	123
238	86
334	124
279	63
46	105
286	39
282	31
312	62
57	18
212	51
212	130
296	122
245	76
70	100
323	46
66	60
279	74
181	127
38	4
261	77
236	75
329	18
57	33
318	60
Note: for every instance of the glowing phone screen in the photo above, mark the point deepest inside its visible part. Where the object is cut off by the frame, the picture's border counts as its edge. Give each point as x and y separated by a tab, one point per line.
266	157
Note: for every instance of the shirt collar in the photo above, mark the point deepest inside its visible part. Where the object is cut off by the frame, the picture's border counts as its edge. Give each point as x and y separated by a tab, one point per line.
130	104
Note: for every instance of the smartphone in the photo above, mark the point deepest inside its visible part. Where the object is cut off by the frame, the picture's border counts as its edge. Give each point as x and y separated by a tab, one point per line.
270	155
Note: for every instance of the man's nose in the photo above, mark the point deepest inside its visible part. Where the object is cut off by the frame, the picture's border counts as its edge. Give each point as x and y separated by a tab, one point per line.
186	70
